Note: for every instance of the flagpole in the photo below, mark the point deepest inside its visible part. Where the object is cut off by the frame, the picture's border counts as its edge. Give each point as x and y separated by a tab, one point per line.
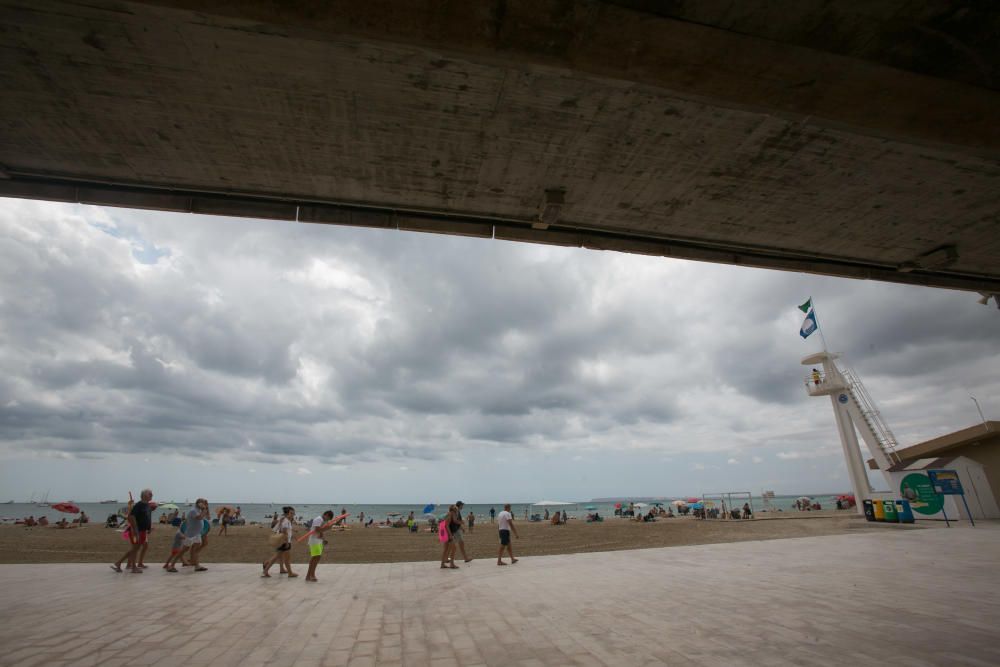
821	336
819	328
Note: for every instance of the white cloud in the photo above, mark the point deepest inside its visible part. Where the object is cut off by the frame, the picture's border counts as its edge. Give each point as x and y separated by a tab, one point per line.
273	344
733	462
303	471
806	454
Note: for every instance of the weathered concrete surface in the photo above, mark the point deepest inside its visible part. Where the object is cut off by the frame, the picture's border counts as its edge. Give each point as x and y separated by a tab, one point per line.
892	597
669	137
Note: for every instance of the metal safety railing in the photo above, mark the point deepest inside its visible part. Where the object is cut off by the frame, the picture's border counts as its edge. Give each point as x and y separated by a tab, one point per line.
873	418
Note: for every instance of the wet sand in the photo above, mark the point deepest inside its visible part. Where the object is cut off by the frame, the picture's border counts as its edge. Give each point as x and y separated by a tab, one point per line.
247	544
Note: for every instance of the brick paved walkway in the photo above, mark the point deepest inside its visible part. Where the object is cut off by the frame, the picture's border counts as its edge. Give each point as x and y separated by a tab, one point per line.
902	597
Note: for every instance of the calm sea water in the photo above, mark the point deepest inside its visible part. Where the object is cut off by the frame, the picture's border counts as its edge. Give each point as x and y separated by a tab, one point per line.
261	511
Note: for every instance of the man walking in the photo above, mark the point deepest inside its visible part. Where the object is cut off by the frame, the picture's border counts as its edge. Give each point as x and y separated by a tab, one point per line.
140	522
505	522
316	543
493	515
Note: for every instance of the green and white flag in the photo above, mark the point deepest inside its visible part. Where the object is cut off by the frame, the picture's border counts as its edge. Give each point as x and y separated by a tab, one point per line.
807	305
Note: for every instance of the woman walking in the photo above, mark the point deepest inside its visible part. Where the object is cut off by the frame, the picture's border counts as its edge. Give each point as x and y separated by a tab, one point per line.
283	552
448	554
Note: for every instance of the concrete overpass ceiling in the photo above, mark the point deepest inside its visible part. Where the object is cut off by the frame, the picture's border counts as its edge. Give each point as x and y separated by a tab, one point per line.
939	38
458	117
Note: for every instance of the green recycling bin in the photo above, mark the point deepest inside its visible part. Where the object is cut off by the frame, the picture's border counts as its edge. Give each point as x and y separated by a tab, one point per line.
903	511
889	509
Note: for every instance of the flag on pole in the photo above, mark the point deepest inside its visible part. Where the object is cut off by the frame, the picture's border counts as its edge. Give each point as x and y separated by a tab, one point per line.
808	325
807	306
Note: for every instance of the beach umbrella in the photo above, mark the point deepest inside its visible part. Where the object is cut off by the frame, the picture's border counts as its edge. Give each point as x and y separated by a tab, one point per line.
66	508
640	505
590	507
168	506
693	500
697	506
429	508
678	503
220	510
805	498
618	506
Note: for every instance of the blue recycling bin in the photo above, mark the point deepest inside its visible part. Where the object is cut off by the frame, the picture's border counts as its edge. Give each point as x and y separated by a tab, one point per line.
904	511
869	508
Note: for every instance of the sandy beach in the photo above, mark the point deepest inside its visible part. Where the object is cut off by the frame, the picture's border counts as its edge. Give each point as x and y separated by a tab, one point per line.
247	544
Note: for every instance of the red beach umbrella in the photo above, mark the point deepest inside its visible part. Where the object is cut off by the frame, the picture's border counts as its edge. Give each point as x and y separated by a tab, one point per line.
694	500
67	508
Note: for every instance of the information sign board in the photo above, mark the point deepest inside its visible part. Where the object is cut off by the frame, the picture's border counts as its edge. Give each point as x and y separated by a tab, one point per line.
946	482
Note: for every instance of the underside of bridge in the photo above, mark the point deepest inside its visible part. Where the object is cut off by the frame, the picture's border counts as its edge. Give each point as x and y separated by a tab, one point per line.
849	139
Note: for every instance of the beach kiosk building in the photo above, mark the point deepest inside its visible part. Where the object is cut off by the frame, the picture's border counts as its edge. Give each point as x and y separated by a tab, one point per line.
973	452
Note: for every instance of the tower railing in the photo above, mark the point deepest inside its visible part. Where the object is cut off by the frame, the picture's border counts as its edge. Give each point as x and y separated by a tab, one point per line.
873	418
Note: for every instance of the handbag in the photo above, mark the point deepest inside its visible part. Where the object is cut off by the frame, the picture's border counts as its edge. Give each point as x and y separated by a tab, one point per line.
276	539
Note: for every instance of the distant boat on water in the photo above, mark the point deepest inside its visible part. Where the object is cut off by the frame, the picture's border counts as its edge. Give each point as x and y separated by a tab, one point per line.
44	502
109	502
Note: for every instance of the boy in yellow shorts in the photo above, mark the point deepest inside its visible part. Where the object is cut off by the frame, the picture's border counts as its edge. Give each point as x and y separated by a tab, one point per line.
316	543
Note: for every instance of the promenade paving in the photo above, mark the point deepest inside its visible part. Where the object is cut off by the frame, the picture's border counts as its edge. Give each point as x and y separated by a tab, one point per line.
914	597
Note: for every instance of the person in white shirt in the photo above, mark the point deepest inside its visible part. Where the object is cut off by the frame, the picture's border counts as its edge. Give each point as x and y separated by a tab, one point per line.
283	552
316	542
505	522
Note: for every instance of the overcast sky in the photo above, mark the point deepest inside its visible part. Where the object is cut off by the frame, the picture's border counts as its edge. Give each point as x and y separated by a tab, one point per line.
264	361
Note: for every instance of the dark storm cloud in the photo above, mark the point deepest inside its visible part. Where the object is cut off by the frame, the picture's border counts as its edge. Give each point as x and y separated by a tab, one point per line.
266	342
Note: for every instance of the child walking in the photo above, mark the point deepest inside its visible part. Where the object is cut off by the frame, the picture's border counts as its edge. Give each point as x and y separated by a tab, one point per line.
316	543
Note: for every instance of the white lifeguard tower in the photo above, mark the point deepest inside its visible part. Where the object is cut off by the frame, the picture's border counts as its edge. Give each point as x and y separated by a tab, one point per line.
855	412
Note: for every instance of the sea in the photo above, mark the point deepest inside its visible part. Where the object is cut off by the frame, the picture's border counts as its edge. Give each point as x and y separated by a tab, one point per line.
261	512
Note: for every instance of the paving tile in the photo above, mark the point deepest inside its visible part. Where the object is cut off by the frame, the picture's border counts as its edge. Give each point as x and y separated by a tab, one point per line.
920	597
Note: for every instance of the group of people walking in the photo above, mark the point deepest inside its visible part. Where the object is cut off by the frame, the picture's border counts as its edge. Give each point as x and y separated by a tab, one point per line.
452	529
192	537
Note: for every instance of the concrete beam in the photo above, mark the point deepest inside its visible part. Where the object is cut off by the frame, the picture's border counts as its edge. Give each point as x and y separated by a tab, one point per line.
506	229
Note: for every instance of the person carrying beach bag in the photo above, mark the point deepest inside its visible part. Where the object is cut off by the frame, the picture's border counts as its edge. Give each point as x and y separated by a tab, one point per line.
281	541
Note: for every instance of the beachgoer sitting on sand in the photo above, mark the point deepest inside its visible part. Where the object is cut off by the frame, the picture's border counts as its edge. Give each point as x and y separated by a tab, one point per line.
42	521
30	521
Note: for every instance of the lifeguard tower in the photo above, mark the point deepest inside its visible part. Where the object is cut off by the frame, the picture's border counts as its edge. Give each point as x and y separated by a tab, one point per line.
855	412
